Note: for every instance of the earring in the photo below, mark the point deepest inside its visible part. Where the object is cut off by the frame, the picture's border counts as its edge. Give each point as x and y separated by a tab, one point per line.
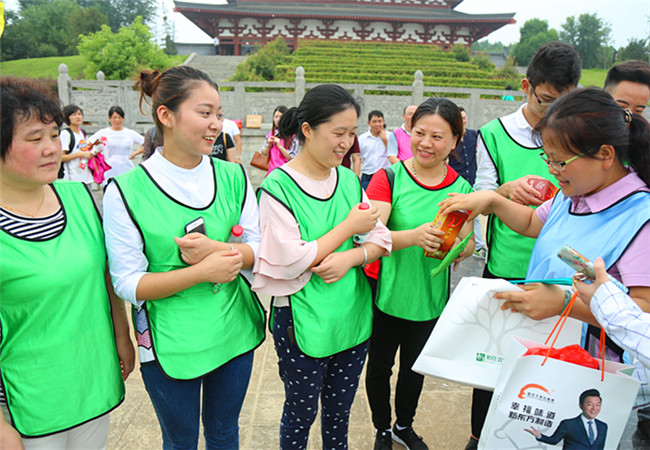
169	125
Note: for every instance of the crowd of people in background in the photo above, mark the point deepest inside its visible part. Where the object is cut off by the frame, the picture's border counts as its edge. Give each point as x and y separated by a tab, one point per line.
337	235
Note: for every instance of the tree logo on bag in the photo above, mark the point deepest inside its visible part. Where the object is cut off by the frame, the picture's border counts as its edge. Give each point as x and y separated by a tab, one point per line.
528	391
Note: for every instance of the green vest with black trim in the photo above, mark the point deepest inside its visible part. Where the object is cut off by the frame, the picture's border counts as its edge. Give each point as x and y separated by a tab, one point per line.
194	331
509	251
58	358
328	318
405	288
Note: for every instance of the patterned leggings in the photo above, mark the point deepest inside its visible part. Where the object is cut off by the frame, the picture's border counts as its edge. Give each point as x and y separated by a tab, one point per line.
334	379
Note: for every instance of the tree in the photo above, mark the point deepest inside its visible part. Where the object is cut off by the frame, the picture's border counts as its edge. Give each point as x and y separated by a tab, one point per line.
487	46
635	49
122	13
589	34
83	21
47	28
262	66
533	34
461	53
120	55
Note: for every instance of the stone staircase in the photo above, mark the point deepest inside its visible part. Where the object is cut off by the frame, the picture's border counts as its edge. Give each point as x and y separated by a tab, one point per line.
220	68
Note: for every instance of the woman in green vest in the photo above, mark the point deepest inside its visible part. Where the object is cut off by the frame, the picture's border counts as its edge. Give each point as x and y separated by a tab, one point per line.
167	225
63	331
322	312
408	301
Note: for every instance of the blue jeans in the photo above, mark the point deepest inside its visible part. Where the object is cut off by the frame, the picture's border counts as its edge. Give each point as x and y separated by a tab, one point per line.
365	180
334	379
177	404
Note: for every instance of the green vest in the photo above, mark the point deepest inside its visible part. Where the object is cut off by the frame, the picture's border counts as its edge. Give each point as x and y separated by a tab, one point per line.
58	358
328	318
509	251
194	331
405	288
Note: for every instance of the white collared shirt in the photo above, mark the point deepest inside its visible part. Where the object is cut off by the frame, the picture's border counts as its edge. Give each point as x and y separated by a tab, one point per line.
373	153
519	130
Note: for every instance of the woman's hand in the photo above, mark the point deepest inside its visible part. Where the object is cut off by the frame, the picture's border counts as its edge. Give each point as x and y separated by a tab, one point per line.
85	155
221	266
519	191
334	266
538	301
126	353
466	253
428	238
194	247
361	220
9	437
587	290
479	202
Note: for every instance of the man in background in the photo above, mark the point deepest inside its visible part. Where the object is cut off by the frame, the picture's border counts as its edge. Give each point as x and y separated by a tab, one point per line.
629	84
373	147
399	141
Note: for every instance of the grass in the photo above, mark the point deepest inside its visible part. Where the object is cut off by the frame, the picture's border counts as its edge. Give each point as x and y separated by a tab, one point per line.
43	67
49	67
593	77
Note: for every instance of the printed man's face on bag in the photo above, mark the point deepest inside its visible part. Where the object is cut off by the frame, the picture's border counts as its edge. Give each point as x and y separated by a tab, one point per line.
591	407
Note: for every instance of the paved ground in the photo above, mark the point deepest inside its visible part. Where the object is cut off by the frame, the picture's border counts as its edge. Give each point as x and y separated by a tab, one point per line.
442	418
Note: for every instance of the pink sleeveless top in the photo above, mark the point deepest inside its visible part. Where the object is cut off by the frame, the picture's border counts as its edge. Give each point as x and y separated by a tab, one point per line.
277	158
403	144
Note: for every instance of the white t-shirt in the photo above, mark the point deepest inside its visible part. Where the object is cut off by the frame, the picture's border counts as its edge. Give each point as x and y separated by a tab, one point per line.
230	127
75	169
117	146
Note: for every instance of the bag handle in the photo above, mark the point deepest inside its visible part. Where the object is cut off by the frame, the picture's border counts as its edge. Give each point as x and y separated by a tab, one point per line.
561	321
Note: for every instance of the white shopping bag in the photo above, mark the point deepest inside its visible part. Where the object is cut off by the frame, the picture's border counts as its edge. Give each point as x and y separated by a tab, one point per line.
546	397
466	345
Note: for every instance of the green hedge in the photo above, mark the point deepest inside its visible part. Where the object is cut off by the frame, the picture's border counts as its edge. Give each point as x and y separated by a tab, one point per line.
384	64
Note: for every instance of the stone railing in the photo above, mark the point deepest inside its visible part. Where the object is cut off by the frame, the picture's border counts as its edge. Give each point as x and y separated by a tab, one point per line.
238	99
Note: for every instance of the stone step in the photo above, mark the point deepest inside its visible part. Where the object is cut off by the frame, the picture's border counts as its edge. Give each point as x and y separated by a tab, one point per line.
220	68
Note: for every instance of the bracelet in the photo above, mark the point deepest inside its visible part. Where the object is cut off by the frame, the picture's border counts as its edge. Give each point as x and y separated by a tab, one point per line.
365	256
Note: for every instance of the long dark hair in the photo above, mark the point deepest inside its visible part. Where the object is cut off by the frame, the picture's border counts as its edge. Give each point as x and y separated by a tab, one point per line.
317	106
585	119
283	109
170	88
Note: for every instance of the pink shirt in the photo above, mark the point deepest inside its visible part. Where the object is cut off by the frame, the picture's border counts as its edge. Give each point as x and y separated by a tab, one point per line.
633	267
283	262
276	158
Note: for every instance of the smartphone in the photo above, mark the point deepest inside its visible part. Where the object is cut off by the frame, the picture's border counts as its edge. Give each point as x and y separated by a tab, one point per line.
581	264
195	226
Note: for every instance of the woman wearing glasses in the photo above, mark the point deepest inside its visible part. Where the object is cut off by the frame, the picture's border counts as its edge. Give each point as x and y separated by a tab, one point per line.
599	155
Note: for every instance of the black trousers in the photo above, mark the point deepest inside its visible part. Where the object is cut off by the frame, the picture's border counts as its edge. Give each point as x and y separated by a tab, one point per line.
388	334
480	398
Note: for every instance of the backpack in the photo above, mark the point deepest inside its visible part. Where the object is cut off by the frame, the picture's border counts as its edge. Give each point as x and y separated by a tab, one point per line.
70	148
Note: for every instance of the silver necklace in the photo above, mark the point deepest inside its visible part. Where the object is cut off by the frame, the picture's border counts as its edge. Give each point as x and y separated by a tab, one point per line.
415	175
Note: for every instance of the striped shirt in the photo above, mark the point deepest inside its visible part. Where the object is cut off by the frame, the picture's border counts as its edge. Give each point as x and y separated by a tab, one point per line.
33	229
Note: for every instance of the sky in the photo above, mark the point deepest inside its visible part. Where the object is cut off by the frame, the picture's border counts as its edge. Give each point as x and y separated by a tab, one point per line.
627	18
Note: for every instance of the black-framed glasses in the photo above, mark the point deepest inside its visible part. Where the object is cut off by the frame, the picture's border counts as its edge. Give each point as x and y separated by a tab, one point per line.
558	165
543	104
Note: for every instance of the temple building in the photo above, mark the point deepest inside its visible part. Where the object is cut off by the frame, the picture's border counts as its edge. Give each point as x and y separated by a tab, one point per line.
240	24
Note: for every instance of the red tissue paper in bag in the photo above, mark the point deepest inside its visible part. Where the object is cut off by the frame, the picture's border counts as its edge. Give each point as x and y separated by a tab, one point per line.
571	353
